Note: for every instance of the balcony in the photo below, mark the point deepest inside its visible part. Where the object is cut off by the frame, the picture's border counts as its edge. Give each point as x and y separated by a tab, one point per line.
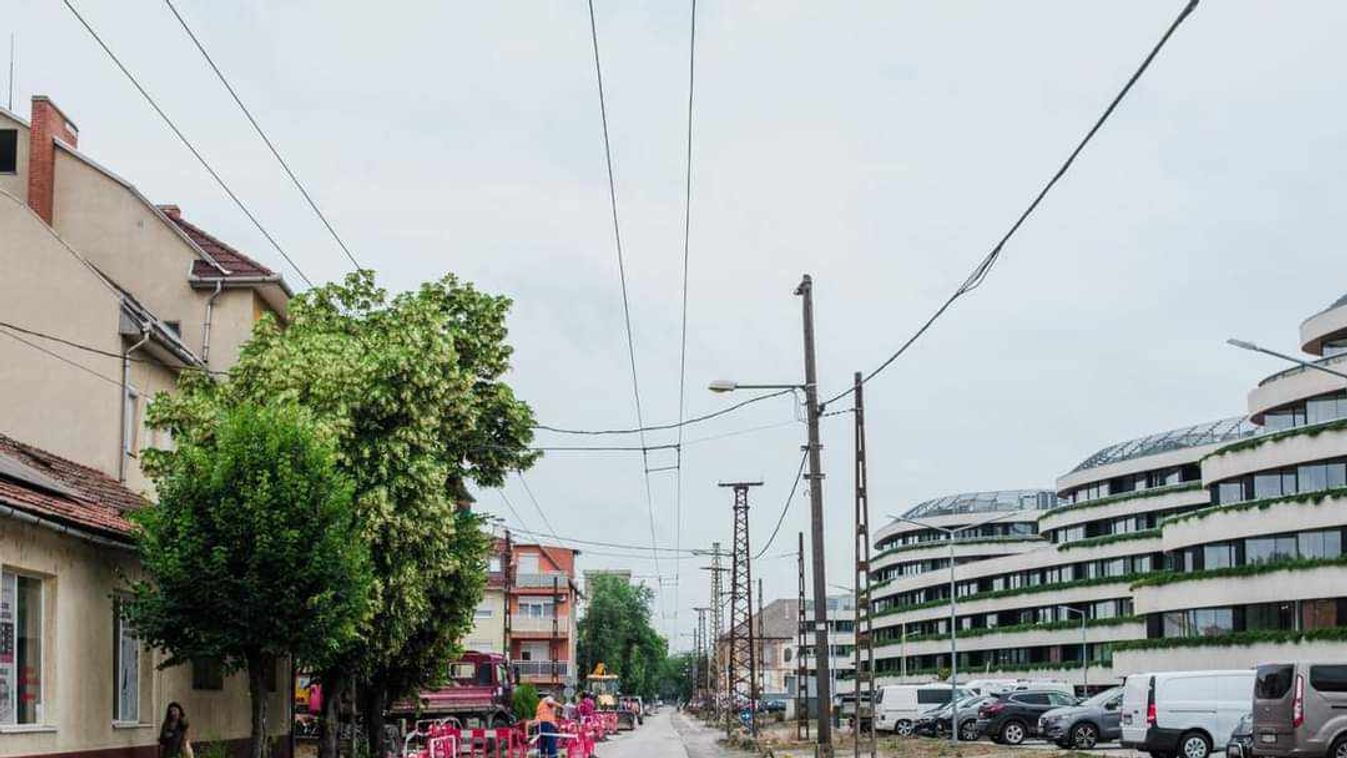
539	624
542	581
542	670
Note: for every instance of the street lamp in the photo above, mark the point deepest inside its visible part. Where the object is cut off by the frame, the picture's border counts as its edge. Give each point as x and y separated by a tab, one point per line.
953	637
1246	345
1084	654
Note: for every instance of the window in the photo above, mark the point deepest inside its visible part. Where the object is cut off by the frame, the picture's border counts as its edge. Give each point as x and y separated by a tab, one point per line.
1272	682
1031	698
1270	616
125	667
493	564
1061	698
20	649
130	421
1326	544
483	612
1329	678
1218	556
528	564
9	151
207	674
931	696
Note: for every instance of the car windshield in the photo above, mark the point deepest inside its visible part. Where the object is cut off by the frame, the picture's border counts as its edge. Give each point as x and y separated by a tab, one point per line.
1099	700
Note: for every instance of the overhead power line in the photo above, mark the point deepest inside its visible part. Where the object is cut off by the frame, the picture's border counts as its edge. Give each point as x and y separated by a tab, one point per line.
258	128
663	427
785	508
601	543
622	278
984	266
537	506
188	143
62	358
683	349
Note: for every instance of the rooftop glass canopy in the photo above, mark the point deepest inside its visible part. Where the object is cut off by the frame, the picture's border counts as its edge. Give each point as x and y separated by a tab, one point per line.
1225	430
984	502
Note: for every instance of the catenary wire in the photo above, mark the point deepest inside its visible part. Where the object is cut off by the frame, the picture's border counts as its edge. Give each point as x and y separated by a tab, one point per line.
258	128
683	348
663	427
980	271
622	278
188	143
602	543
785	508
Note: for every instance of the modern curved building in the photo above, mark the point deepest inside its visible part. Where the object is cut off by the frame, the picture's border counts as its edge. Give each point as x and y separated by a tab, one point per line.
1216	545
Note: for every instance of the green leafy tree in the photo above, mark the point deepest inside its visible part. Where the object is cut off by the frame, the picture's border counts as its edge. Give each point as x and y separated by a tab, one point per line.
616	631
252	552
525	702
411	387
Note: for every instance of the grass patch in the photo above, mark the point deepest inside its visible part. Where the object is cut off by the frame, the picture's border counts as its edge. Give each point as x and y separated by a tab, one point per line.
1262	504
1251	443
1249	569
1109	539
1121	497
1237	639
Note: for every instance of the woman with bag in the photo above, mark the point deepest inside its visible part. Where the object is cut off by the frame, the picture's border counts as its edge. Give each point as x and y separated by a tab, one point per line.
173	742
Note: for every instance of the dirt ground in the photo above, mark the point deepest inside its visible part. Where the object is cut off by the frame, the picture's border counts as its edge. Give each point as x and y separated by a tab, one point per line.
780	740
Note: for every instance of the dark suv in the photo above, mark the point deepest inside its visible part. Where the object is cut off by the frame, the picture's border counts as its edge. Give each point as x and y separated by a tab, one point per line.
1011	717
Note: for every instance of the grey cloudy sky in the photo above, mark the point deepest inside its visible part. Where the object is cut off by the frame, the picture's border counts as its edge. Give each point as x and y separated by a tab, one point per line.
881	147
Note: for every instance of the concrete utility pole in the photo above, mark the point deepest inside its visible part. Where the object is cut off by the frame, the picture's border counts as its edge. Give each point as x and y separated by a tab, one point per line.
507	568
801	643
762	648
743	679
822	685
556	630
864	648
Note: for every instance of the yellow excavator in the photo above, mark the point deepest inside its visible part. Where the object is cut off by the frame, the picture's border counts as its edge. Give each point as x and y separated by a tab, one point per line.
607	691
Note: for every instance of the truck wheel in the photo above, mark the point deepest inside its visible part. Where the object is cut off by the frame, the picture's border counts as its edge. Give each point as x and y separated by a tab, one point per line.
1013	733
1194	745
1084	736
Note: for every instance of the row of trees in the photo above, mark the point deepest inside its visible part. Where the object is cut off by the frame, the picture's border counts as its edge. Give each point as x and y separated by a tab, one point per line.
310	508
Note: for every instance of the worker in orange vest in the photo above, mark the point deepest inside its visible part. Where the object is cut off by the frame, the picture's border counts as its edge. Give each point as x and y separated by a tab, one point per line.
546	716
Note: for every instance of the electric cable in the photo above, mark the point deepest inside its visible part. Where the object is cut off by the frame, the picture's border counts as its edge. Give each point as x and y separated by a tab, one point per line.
188	143
664	427
980	271
622	278
795	485
258	128
683	349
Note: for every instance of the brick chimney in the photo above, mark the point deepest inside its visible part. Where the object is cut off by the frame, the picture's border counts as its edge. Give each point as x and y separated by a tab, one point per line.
49	124
172	211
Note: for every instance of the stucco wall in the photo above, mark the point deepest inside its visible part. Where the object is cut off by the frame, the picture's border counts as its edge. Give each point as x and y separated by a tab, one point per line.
1324	582
488	634
1127	662
79	580
1296	384
129	241
232	325
69	410
1253	522
1316	328
16	183
1306	446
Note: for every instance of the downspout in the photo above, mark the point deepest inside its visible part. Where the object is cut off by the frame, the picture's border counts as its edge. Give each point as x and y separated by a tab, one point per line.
205	330
126	383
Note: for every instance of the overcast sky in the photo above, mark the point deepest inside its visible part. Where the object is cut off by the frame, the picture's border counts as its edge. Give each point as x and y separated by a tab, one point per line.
882	147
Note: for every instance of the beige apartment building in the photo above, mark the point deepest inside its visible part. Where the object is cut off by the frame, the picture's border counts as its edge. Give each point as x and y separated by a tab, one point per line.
105	298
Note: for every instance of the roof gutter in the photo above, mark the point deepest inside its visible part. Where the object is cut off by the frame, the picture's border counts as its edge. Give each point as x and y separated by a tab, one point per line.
59	528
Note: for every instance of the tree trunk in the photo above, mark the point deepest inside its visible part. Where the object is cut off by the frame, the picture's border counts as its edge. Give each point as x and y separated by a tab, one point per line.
329	721
372	706
257	692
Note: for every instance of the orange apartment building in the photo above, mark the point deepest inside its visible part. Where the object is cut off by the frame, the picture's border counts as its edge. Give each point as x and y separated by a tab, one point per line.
541	599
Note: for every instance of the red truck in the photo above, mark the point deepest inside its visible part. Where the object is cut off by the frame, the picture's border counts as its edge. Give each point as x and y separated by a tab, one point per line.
479	693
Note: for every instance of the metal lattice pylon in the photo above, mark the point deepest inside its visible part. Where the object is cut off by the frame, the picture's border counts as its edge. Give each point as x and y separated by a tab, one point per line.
716	669
742	674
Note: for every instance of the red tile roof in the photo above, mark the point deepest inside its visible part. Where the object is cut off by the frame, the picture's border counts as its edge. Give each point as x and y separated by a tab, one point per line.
238	264
83	497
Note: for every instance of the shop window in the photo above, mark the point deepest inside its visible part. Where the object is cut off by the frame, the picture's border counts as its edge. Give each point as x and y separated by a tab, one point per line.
125	667
9	151
207	674
20	649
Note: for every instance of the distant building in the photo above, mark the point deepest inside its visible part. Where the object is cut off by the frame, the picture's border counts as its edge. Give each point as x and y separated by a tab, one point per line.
541	596
623	574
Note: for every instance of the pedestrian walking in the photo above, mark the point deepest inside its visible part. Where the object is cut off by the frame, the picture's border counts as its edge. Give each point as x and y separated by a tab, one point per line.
173	741
546	716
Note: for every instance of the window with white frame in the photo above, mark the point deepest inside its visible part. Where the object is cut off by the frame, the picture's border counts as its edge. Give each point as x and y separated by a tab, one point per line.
20	649
131	422
126	667
536	607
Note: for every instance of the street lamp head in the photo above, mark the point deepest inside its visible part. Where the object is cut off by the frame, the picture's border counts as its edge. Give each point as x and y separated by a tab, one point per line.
723	385
1242	344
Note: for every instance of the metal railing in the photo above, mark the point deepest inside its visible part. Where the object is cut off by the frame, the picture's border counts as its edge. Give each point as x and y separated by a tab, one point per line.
542	581
530	623
543	669
1329	361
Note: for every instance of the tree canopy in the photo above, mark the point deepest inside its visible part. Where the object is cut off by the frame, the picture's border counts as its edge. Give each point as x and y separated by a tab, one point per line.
616	631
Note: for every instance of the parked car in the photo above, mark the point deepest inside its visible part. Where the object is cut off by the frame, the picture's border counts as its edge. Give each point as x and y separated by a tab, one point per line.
1001	686
1241	740
1012	717
1183	712
897	706
1300	710
936	723
774	705
1083	726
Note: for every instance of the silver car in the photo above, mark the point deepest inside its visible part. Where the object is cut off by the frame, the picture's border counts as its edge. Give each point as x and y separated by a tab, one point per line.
1085	725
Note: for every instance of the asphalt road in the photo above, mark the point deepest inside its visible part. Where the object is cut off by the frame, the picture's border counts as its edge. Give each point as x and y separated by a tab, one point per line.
666	734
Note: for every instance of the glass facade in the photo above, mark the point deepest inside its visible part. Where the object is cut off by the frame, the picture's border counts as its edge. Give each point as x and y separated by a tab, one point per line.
1284	615
1313	411
1281	482
1271	548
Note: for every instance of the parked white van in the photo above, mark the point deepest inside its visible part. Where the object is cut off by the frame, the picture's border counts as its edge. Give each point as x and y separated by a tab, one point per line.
897	706
1184	713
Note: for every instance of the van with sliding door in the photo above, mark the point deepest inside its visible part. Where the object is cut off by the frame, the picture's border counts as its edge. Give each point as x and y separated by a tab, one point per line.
1300	710
897	706
1184	714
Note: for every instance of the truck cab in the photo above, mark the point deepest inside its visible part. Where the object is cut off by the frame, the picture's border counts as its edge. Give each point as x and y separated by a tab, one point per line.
478	691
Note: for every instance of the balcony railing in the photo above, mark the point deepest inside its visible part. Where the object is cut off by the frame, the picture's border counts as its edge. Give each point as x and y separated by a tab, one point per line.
542	669
1326	361
529	623
542	581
